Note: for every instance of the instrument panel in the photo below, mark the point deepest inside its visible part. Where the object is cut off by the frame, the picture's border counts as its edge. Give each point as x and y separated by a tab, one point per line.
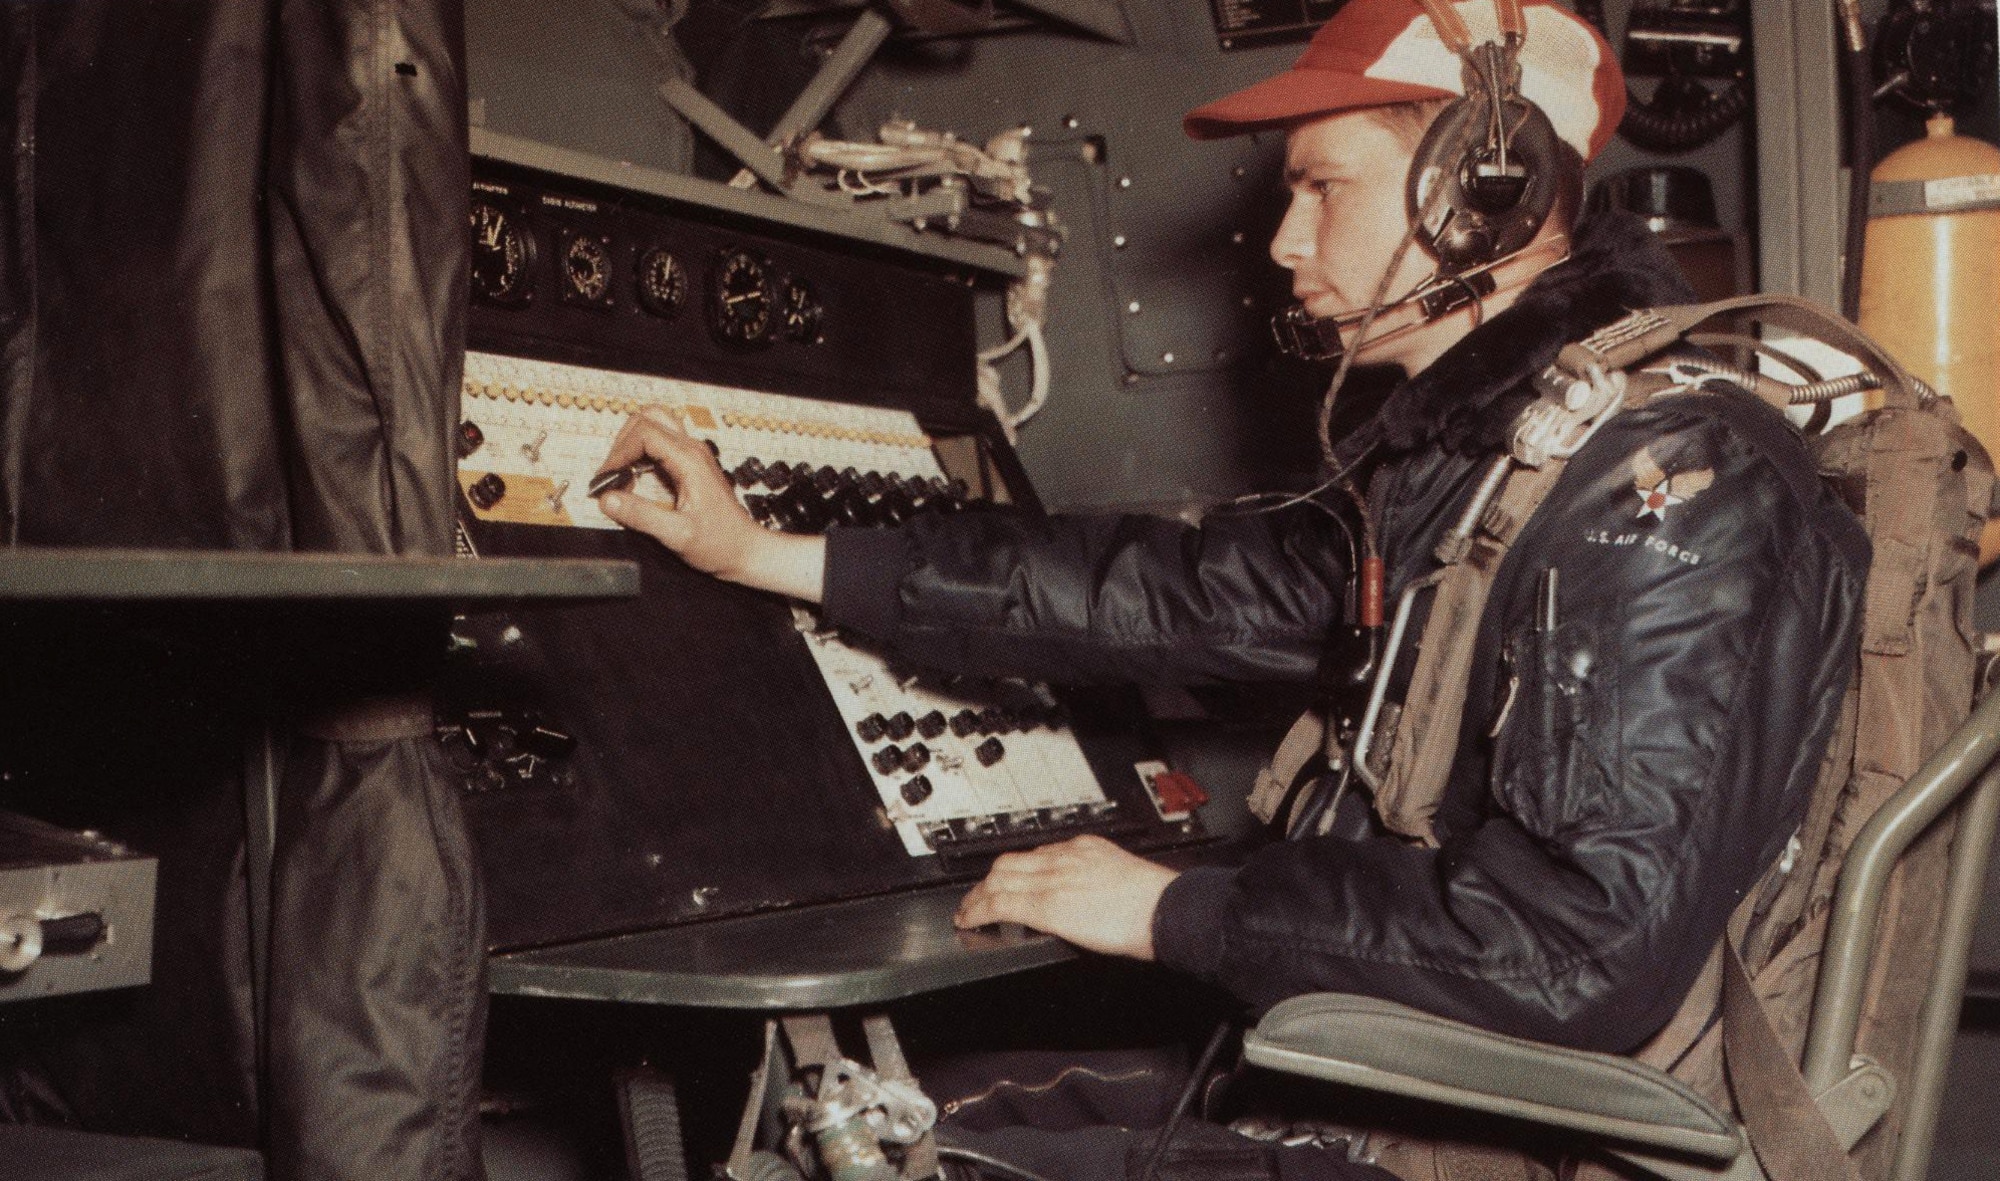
709	750
750	301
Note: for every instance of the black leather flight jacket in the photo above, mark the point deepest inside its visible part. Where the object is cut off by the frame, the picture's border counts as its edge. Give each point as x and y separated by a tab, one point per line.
1662	741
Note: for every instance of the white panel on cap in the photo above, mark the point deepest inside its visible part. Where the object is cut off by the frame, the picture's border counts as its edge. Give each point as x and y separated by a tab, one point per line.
1558	64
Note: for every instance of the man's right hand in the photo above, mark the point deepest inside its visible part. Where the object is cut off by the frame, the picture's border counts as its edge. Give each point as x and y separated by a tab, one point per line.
704	523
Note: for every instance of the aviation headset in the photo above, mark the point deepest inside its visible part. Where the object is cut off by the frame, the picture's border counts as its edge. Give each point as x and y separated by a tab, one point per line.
1482	183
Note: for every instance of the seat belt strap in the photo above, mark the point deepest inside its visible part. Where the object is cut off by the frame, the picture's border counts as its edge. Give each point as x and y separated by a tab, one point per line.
1788	1132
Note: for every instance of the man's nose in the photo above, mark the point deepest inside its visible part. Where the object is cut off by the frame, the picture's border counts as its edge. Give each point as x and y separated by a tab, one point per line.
1293	243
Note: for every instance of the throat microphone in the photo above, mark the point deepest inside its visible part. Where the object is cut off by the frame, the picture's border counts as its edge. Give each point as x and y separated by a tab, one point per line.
1303	336
1306	337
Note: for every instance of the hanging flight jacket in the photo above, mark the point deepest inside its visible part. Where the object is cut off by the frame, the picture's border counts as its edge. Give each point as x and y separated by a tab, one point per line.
1920	484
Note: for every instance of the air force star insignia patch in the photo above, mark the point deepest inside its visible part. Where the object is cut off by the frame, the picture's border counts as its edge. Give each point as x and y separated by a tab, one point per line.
1658	491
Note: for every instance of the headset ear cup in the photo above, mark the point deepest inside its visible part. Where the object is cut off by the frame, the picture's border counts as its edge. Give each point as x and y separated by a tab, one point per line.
1480	218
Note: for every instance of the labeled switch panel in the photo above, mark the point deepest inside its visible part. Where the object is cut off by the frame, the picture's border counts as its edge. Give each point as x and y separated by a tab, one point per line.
955	765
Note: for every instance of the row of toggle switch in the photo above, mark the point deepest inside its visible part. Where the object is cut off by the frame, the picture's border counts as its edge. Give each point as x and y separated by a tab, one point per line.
965	723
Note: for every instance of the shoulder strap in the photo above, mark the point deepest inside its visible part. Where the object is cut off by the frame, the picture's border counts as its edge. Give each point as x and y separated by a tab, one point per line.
1646	332
1426	738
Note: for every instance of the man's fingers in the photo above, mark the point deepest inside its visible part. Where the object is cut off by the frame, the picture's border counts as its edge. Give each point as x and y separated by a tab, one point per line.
653	434
985	906
670	528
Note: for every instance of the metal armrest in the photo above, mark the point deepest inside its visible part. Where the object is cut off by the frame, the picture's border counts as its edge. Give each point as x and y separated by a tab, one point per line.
1381	1046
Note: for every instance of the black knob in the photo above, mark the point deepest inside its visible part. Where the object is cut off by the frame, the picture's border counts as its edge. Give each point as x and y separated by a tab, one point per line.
917	757
894	507
826	479
902	726
917	790
488	490
872	728
989	752
853	509
470	438
462	747
873	484
992	720
748	473
964	722
799	509
931	724
888	760
778	476
1027	717
759	507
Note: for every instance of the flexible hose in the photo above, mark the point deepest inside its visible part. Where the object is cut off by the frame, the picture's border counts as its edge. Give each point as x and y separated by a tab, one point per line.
1667	128
1811	393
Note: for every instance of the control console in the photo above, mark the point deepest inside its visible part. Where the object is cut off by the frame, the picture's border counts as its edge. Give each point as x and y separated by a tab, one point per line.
710	750
951	766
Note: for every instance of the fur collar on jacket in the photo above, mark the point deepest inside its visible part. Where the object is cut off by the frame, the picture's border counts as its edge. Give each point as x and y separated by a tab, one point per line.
1468	397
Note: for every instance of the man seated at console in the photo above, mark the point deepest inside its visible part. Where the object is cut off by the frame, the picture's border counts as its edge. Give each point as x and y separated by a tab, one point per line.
1624	777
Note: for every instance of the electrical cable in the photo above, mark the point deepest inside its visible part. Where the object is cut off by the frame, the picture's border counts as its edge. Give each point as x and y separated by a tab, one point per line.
980	1160
1376	304
1186	1100
1860	151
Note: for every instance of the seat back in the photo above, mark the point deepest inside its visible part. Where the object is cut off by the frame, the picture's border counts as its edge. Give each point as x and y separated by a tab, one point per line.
1920	485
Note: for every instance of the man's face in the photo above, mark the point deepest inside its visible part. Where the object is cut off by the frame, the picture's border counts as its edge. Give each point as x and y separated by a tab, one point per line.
1346	174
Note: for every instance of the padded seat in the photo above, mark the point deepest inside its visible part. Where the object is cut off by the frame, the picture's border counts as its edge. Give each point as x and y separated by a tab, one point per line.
1387	1047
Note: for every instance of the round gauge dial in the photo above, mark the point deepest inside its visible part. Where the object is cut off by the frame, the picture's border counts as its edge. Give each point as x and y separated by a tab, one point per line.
662	282
742	299
587	268
503	253
799	312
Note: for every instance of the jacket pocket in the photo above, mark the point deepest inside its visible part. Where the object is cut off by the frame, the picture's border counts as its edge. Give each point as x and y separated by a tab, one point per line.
1555	738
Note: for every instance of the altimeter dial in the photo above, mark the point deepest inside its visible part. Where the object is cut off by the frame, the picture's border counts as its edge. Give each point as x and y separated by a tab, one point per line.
742	299
799	312
586	269
503	255
662	282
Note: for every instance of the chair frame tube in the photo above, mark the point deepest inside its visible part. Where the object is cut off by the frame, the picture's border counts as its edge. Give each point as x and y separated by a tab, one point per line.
1972	847
1850	940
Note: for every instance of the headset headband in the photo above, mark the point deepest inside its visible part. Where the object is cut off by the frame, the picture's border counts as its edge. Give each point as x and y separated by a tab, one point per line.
1452	30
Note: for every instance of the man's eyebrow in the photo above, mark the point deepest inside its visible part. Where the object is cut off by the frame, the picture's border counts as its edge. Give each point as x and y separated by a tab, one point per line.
1294	173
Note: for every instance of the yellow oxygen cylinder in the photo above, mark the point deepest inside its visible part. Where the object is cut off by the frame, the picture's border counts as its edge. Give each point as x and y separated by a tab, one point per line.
1930	275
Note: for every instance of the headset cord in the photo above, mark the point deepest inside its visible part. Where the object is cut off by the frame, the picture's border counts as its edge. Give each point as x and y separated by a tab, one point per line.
1376	305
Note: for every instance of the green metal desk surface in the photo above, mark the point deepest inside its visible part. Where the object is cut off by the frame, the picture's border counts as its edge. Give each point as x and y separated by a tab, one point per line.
860	952
115	575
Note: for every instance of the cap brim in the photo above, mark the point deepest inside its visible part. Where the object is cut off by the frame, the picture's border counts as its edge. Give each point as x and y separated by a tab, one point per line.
1297	95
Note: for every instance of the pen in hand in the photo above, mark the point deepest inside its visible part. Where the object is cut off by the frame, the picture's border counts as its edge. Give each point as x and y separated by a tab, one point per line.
620	478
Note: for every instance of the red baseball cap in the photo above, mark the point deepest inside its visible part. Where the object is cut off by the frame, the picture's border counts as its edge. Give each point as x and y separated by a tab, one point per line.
1376	53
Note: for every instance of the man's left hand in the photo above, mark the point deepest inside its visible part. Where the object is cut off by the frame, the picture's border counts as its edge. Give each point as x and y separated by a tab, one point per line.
1085	890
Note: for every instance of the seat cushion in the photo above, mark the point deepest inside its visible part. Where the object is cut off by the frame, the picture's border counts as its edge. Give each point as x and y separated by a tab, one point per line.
1380	1046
